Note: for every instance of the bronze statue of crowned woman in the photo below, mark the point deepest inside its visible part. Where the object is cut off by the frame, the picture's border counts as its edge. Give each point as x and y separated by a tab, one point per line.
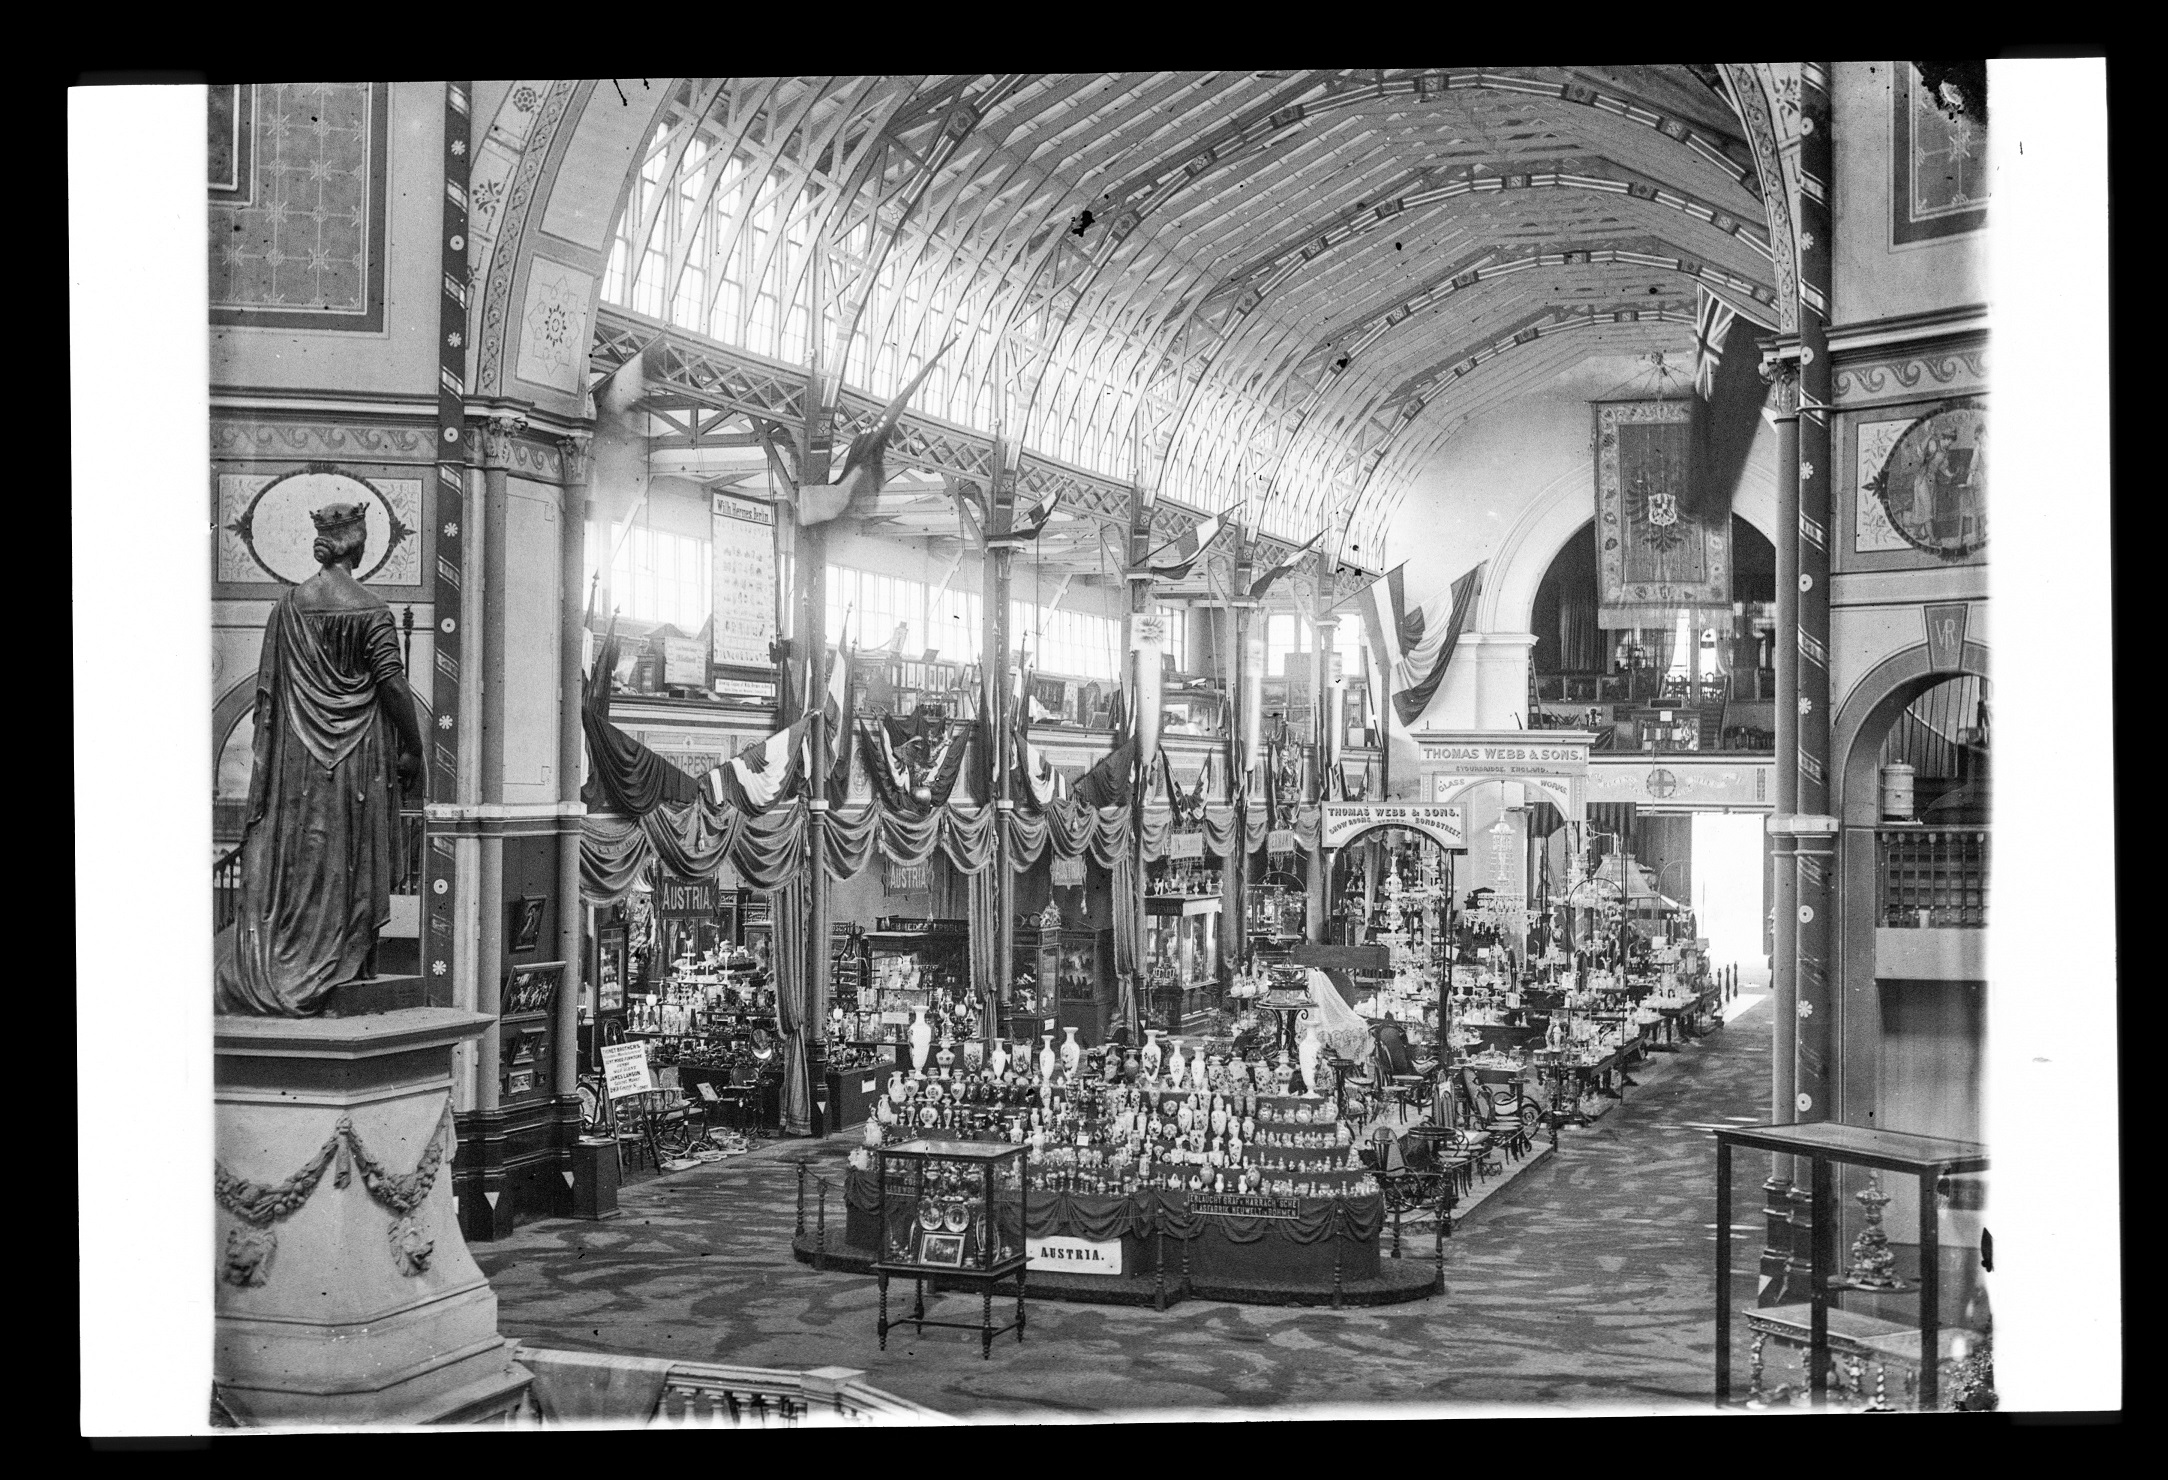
336	745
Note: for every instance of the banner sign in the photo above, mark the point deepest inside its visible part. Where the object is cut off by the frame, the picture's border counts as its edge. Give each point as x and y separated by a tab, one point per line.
744	583
1186	845
1243	1205
684	661
1652	556
1068	873
1343	820
624	1067
686	896
1064	1255
1557	790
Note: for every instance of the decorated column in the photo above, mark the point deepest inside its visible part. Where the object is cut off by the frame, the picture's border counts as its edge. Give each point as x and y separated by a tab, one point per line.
571	751
999	658
1141	643
1245	719
1314	791
1784	974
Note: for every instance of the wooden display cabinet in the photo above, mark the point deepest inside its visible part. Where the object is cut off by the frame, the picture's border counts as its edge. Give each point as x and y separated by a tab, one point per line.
1074	972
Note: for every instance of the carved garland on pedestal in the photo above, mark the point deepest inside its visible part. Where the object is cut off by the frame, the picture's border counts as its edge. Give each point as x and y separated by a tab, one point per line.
263	1205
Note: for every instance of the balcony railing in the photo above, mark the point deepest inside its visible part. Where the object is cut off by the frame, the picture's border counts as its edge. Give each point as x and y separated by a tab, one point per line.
702	1394
406	870
1932	878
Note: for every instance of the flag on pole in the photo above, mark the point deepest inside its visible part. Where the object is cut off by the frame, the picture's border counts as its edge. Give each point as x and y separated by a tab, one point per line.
1415	646
1712	321
864	464
1725	411
1264	582
759	775
1171	561
836	717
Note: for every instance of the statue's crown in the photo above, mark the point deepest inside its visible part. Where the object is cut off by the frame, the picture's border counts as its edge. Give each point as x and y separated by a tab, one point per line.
338	518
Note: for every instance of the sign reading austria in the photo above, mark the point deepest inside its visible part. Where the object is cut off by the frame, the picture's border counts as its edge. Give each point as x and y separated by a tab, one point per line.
1074	1255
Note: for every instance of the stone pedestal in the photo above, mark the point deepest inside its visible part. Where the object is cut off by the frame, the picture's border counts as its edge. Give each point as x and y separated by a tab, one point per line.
345	1292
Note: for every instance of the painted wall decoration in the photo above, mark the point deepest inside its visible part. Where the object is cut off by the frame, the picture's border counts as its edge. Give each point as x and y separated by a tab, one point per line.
265	534
1651	557
553	325
296	175
1938	157
1927	481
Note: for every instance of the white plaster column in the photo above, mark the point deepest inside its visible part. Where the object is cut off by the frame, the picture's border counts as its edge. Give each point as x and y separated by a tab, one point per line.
1500	661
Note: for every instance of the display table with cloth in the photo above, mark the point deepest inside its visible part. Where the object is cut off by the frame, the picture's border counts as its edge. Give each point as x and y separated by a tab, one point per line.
1326	1241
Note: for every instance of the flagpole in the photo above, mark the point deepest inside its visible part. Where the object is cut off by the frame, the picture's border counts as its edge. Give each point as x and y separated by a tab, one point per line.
812	629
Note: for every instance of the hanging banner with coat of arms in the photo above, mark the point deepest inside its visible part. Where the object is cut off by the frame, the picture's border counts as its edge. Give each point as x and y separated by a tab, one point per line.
1652	558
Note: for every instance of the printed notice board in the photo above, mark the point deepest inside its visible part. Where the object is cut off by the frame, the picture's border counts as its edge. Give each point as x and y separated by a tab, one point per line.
624	1066
744	543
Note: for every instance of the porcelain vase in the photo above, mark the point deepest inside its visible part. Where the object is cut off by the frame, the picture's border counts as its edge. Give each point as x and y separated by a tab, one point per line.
921	1039
1072	1052
1046	1057
1152	1054
999	1063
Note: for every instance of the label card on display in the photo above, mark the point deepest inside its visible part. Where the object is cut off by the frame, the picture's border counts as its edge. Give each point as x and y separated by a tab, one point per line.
1186	845
624	1067
1243	1205
684	661
1074	1255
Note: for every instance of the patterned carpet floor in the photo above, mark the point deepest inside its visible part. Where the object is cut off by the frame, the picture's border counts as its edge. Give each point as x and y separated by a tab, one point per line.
1584	1283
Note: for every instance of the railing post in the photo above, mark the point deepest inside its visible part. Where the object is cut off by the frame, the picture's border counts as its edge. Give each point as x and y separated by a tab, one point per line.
820	1236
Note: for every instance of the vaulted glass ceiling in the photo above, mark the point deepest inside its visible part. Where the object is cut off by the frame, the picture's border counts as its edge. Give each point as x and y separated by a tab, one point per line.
1281	291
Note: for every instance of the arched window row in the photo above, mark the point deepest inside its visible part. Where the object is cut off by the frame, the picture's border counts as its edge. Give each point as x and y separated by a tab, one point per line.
727	256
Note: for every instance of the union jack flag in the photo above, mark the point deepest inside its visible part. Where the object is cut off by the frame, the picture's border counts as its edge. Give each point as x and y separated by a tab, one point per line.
1712	321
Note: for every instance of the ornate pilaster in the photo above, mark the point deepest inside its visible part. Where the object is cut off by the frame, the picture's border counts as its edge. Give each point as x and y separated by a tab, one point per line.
577	461
1813	852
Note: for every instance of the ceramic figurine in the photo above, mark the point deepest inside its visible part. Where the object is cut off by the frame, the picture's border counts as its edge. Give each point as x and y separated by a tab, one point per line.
1072	1052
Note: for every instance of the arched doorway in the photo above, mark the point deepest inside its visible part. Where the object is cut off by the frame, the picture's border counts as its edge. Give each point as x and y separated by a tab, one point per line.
1591	676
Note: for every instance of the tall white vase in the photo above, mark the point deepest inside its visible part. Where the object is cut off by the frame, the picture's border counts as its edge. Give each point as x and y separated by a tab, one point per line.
1072	1052
1046	1057
1152	1056
999	1062
1177	1066
921	1039
1306	1053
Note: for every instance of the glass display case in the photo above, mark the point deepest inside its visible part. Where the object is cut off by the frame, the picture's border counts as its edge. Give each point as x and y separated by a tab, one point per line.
1069	976
952	1212
1181	959
1893	1317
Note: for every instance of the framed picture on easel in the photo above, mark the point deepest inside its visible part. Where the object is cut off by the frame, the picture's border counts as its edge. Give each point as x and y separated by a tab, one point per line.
609	983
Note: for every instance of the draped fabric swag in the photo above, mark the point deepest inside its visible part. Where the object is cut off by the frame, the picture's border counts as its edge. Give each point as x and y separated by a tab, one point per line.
693	840
769	849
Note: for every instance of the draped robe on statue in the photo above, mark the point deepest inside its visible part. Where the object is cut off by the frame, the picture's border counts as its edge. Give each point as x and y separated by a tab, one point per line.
317	859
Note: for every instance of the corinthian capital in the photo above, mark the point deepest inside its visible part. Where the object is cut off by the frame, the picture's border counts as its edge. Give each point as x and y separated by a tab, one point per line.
1780	367
578	449
499	429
